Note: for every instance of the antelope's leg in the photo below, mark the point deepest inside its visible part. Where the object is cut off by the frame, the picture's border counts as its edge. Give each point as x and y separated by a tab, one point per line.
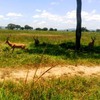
13	50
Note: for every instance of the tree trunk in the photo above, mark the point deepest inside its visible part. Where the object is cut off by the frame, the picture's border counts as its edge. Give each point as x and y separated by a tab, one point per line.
78	27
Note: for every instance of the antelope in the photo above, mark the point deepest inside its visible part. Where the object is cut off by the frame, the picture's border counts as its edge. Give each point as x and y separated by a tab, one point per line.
36	41
91	44
15	45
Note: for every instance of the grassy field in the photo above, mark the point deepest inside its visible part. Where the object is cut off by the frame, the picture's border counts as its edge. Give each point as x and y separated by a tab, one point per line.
55	47
64	88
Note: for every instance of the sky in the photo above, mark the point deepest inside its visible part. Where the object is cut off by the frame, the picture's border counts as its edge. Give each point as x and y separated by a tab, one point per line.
60	14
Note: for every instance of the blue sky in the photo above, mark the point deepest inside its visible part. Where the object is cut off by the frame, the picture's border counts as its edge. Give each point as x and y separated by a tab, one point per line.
60	14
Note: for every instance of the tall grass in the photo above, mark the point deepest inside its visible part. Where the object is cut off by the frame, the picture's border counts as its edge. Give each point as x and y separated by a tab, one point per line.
60	48
57	49
64	88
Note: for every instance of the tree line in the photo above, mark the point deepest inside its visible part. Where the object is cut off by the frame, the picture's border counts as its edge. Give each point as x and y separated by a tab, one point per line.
18	27
27	27
12	26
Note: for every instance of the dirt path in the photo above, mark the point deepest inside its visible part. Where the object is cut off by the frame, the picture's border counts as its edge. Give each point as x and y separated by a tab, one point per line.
57	71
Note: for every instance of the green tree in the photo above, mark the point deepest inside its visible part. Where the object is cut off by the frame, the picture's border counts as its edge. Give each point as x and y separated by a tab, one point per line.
45	29
97	30
11	26
38	29
27	27
17	27
84	29
79	21
55	29
51	29
22	28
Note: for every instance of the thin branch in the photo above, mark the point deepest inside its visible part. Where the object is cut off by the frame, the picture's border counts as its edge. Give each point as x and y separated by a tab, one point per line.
44	73
26	76
37	67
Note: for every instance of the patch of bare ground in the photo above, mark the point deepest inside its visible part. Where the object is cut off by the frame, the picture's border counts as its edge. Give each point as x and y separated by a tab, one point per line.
57	71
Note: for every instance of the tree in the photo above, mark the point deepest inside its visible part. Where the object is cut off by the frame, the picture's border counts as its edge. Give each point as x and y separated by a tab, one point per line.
17	27
11	26
79	21
38	29
45	29
55	29
51	29
97	30
22	28
84	29
27	27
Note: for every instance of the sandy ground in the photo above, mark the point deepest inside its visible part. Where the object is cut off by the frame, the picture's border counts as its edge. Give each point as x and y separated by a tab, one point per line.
57	71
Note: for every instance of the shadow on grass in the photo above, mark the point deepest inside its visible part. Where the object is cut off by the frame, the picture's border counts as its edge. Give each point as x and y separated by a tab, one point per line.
67	50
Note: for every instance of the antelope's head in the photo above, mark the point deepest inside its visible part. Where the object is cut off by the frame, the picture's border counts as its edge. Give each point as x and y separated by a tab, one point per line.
7	40
93	39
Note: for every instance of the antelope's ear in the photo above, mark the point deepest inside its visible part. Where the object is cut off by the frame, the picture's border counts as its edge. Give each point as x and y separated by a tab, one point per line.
7	39
93	38
33	37
8	36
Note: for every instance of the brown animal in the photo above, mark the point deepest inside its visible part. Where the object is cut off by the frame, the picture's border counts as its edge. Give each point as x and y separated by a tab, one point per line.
36	41
15	45
91	44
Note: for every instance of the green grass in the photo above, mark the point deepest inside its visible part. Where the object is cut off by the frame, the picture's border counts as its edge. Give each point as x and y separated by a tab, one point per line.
64	88
59	48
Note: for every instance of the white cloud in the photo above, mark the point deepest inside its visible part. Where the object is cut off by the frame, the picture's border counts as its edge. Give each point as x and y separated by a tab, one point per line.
36	16
1	16
53	17
14	14
43	18
38	10
86	16
48	16
35	21
90	16
71	14
67	20
42	23
48	19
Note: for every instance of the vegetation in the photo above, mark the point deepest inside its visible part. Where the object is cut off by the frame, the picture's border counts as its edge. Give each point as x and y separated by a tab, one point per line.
64	88
56	46
43	47
12	26
18	27
53	47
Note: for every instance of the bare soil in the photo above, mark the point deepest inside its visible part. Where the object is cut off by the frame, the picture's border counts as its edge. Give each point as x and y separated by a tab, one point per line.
16	74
